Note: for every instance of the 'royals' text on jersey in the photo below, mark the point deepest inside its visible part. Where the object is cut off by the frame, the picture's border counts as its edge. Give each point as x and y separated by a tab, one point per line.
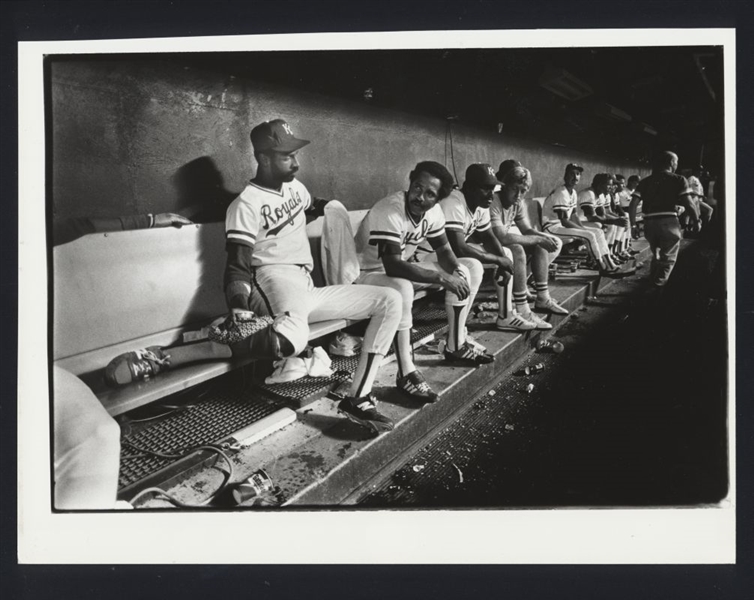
273	223
388	220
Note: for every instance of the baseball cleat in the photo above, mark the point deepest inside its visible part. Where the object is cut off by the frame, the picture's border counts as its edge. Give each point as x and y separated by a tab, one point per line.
416	386
550	305
538	321
514	322
617	273
469	353
136	366
363	411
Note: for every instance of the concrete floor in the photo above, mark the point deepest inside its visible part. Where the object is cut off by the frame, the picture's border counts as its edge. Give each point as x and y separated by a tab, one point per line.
632	413
605	425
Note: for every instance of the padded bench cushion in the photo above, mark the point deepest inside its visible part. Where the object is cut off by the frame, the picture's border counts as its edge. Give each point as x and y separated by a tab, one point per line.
134	288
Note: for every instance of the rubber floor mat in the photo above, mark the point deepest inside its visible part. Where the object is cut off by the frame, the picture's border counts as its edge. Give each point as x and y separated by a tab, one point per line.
429	319
215	415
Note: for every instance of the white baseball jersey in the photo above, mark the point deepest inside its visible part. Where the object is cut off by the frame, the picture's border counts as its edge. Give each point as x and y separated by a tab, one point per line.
389	220
459	217
506	217
587	198
559	199
273	222
695	186
624	198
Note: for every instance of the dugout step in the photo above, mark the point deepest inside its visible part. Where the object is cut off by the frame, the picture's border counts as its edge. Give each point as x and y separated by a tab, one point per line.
323	459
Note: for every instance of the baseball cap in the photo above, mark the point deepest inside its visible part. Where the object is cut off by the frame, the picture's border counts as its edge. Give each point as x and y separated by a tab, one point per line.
480	174
275	135
506	166
574	167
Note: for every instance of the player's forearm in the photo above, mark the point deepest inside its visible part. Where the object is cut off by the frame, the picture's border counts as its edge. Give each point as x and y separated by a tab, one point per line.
317	208
447	259
404	270
237	279
484	256
572	223
528	239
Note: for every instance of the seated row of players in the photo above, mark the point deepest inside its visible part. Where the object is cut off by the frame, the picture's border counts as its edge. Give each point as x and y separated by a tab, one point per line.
409	240
590	217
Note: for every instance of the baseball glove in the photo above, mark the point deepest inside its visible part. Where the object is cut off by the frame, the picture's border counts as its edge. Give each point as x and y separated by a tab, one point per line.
232	331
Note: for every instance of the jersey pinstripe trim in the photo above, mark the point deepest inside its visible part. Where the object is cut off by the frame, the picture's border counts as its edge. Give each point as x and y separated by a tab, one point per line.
454	225
388	236
586	198
241	237
435	232
559	202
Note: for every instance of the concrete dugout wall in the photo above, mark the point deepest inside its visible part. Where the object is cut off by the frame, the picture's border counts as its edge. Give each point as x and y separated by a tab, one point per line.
138	136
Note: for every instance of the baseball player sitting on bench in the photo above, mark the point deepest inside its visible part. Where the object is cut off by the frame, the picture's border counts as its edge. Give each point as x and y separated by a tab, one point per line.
268	272
506	210
559	218
467	213
594	207
621	202
386	242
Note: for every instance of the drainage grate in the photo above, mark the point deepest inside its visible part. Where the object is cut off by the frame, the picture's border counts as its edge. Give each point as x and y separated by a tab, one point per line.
216	416
428	320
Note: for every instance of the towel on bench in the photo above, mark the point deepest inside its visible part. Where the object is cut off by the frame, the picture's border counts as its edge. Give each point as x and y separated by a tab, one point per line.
340	264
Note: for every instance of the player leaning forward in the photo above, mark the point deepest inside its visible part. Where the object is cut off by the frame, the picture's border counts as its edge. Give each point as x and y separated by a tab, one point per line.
386	243
507	209
268	272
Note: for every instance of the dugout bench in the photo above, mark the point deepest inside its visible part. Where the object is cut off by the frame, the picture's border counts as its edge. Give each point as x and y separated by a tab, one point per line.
120	291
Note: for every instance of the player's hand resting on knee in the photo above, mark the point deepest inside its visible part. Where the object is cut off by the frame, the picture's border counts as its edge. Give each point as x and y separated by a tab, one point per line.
547	244
456	284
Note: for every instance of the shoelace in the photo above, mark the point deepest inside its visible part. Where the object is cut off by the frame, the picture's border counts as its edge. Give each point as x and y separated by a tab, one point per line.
532	318
516	320
468	351
420	386
143	365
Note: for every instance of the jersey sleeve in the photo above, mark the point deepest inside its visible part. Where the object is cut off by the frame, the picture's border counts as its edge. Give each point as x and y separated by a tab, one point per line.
485	220
385	225
436	221
586	198
242	223
496	212
454	212
559	199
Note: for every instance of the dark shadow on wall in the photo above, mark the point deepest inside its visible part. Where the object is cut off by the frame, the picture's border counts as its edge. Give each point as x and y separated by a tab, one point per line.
202	196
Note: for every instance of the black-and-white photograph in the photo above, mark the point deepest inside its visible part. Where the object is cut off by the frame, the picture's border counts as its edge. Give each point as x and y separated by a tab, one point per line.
388	280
